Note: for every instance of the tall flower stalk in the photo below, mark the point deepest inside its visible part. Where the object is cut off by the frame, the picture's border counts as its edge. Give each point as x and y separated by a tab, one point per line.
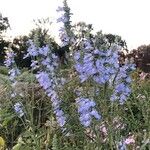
122	84
46	62
13	73
11	65
65	33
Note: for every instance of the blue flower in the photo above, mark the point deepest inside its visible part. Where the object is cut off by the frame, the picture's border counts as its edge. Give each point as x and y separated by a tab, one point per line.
87	45
86	111
44	50
95	114
34	64
77	56
32	50
122	146
62	19
59	9
18	109
64	32
101	65
44	80
61	119
122	88
10	63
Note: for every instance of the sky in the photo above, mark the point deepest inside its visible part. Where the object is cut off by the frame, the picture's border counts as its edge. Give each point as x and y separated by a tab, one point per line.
127	18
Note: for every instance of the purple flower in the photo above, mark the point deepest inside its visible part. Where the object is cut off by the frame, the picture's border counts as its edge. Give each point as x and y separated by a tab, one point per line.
122	88
44	80
101	65
61	120
62	19
122	145
86	111
59	9
34	64
48	86
87	45
10	63
44	50
95	114
64	32
77	56
32	50
18	109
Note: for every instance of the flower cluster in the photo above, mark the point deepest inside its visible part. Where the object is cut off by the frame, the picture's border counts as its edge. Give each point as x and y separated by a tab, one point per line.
107	65
62	31
13	70
86	111
85	67
122	83
18	109
65	30
62	19
10	63
84	62
122	145
101	65
48	85
47	64
63	36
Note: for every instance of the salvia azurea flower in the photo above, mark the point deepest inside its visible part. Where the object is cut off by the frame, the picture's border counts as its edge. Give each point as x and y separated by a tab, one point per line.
85	67
49	86
11	65
122	145
87	111
32	50
107	65
19	109
9	61
100	65
64	19
122	83
46	62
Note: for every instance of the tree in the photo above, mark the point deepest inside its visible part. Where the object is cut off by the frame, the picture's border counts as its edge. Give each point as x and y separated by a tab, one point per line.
141	57
4	25
20	46
116	39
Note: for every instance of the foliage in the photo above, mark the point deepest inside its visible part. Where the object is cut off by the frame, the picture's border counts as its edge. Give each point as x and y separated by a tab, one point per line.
3	70
26	76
